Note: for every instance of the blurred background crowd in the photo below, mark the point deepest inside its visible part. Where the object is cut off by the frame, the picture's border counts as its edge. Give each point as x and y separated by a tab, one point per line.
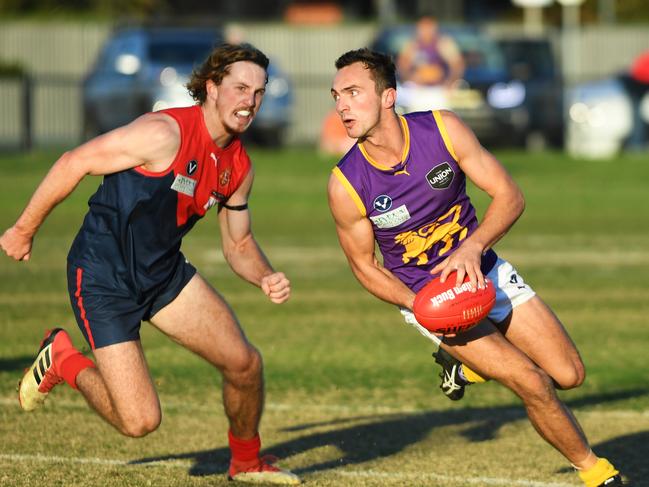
564	74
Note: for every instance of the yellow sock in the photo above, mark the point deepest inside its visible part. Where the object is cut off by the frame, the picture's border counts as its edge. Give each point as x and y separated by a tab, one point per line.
598	473
470	375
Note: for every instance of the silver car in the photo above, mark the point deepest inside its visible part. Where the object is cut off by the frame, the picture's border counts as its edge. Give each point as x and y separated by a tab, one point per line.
603	117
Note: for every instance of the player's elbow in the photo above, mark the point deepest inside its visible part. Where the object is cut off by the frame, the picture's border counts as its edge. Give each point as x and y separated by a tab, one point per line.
517	202
68	161
230	253
520	203
73	165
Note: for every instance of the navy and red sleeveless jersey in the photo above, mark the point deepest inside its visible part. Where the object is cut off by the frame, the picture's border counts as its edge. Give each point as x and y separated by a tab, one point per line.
132	233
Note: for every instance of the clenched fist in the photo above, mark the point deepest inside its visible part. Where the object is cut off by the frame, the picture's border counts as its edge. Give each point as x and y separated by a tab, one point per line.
16	244
277	287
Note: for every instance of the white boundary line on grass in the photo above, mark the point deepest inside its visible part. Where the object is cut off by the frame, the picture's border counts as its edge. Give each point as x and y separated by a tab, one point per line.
414	477
15	457
370	474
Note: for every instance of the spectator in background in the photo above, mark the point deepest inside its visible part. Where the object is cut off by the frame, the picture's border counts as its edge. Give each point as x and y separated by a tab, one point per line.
640	68
637	84
430	60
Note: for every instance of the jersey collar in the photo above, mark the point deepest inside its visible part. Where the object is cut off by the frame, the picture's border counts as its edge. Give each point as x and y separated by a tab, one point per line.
404	155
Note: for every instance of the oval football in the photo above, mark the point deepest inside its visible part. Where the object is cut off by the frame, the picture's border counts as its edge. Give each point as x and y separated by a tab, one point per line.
445	308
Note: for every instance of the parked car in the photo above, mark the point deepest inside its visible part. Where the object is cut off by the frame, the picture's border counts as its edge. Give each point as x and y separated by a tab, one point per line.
495	102
145	69
532	62
602	118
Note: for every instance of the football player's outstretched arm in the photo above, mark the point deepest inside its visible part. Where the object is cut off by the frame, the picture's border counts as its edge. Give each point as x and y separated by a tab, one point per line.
144	142
357	241
507	202
241	250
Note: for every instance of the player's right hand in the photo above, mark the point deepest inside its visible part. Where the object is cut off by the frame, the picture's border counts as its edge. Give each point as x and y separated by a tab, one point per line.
466	260
16	244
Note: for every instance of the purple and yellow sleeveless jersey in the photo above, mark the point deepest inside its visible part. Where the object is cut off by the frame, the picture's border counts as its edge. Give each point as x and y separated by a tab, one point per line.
419	209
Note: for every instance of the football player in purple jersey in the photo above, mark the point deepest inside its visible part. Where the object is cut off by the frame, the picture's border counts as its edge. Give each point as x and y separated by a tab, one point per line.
402	186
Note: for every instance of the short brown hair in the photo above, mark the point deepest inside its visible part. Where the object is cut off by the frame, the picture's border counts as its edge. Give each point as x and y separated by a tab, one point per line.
380	65
217	66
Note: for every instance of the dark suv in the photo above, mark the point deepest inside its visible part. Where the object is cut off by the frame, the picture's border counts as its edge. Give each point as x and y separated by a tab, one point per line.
145	69
532	61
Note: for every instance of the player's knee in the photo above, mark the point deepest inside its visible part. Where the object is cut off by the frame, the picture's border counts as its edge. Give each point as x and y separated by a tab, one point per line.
245	367
533	385
141	425
571	377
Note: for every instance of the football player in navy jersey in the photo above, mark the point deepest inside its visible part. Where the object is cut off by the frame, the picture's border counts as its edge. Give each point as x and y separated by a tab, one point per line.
161	173
403	186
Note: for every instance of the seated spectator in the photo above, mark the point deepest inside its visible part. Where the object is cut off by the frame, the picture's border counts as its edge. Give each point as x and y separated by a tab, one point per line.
430	59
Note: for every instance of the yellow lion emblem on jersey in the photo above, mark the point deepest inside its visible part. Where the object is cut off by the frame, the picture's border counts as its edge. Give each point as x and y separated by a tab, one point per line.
417	242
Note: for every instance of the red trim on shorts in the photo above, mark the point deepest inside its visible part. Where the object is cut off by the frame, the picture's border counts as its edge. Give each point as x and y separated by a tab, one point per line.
82	310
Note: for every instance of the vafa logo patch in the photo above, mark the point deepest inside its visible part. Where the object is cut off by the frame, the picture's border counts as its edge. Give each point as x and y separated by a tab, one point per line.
192	166
382	203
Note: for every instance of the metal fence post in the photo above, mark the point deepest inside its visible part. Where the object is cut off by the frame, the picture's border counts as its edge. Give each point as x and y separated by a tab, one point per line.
26	142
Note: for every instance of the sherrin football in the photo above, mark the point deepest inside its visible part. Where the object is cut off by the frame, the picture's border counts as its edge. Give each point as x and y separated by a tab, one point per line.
446	308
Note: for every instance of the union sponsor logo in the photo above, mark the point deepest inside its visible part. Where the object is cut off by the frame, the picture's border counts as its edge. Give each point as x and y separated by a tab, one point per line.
441	176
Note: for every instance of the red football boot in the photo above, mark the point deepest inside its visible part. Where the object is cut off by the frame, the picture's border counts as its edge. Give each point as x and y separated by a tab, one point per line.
43	375
262	471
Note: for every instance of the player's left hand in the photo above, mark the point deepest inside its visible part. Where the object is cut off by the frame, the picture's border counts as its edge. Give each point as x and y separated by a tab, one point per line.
465	260
277	287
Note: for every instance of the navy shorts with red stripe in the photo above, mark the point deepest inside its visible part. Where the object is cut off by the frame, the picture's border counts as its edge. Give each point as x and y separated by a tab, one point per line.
108	313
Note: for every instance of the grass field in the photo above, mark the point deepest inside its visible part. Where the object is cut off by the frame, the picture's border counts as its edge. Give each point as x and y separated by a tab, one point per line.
352	394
